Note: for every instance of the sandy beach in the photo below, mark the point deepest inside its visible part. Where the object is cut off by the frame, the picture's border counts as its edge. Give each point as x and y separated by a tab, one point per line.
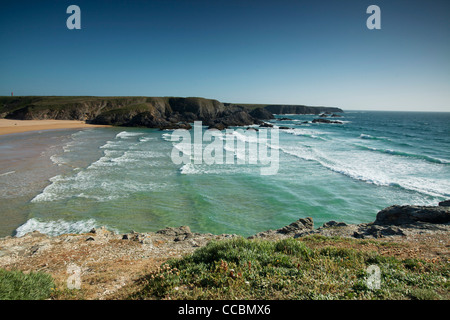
15	126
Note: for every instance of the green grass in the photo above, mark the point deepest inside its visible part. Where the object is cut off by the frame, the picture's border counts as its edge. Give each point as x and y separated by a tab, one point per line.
56	103
16	285
137	108
290	269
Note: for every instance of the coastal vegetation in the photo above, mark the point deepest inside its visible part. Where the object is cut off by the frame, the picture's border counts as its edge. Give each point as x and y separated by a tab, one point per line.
313	267
293	269
16	285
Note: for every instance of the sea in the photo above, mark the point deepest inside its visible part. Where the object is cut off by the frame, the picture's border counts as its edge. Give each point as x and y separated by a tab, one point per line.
126	179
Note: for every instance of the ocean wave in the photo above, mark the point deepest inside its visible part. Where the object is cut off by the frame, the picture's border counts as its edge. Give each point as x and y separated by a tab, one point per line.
146	139
128	134
404	154
367	173
306	133
58	160
55	228
250	137
47	194
167	136
189	168
6	173
369	137
92	185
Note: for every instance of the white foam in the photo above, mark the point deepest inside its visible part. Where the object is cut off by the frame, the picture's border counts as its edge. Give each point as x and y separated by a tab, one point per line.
100	181
377	171
306	133
189	168
146	139
67	147
58	160
249	136
167	136
6	173
110	144
55	228
127	134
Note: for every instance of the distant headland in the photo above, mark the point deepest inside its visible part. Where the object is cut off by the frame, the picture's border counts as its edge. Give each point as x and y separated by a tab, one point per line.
150	112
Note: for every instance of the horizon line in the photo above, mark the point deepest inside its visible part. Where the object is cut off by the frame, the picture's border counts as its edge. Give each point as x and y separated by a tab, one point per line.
243	103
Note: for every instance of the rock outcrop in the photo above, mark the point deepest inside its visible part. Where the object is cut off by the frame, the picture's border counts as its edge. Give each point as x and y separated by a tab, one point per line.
445	203
401	215
298	228
395	221
392	221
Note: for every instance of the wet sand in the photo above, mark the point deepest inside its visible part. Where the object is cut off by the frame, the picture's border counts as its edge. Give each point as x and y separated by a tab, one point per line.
15	126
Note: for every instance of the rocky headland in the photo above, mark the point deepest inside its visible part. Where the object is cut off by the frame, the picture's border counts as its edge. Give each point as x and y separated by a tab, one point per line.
110	262
150	112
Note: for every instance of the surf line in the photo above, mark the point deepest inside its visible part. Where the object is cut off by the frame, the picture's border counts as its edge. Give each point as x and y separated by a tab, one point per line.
255	144
6	173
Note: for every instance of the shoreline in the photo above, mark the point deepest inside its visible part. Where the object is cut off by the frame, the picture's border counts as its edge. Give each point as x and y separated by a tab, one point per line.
9	126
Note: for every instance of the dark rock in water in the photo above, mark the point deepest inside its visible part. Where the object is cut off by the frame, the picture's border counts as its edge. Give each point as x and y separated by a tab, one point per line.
398	215
334	115
251	128
284	128
445	203
219	126
266	125
323	115
285	119
325	121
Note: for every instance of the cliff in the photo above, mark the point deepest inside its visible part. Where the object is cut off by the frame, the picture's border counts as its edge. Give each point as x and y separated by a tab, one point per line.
151	112
292	109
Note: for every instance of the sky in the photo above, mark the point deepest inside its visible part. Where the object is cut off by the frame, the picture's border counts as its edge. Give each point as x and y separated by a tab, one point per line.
317	53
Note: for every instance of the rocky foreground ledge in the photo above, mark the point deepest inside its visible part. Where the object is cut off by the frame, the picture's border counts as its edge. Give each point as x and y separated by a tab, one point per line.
396	220
111	261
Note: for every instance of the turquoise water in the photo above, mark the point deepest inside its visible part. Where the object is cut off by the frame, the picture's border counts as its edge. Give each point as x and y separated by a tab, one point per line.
124	178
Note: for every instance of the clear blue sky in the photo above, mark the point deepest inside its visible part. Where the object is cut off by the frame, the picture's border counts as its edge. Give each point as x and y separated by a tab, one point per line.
285	52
